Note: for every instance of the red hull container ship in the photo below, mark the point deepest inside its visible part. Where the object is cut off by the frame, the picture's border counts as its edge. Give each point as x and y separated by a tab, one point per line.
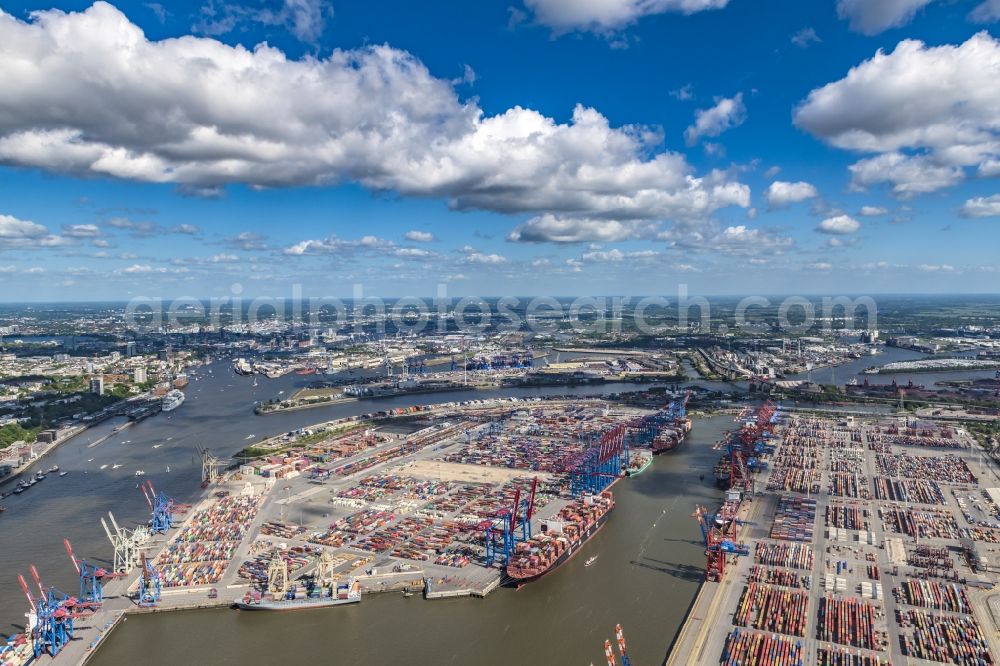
671	436
560	539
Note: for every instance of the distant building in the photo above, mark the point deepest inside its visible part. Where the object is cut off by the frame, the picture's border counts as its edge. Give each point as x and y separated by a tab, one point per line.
139	375
97	385
130	349
47	436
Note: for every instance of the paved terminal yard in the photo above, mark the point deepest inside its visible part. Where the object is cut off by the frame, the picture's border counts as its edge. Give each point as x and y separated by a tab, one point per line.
398	504
870	542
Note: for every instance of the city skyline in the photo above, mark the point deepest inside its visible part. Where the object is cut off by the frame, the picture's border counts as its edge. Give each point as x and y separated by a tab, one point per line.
541	146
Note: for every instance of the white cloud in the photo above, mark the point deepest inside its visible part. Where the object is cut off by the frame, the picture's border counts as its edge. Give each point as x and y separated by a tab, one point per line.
727	113
8	269
936	268
684	93
908	176
419	236
81	230
735	240
820	266
989	169
604	16
24	234
486	259
986	12
871	17
224	258
11	228
199	113
929	112
839	224
413	253
306	19
614	255
552	229
186	229
873	211
781	193
805	37
247	240
982	207
138	268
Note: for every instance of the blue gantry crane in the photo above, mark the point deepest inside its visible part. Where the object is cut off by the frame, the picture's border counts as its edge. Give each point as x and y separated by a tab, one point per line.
54	613
509	527
162	508
92	578
598	465
149	583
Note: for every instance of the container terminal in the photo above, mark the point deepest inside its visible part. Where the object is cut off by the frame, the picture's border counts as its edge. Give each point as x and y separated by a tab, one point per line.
452	500
863	541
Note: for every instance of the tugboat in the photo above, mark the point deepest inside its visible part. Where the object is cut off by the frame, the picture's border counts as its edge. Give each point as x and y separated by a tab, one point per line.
40	476
54	468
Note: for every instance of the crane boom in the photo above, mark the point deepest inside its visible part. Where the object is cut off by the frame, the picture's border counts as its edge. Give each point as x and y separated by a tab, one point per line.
27	593
38	580
69	551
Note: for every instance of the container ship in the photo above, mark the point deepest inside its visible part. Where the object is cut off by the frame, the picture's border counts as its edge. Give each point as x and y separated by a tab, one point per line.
670	437
172	400
722	472
560	539
346	593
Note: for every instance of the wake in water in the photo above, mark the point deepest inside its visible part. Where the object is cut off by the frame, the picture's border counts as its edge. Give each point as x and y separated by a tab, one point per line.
649	532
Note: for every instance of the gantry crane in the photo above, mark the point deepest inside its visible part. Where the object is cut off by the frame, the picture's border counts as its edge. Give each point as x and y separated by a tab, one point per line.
92	578
719	534
210	466
509	526
150	583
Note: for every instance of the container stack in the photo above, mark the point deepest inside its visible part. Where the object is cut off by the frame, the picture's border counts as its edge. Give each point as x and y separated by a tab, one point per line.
747	647
797	556
794	519
772	609
848	622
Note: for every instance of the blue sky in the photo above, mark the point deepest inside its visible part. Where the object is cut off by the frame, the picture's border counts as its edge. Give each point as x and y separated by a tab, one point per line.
517	147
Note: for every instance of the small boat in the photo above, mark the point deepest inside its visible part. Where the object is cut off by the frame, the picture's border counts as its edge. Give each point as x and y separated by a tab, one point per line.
168	469
61	474
103	466
140	472
54	468
40	476
156	446
590	561
115	466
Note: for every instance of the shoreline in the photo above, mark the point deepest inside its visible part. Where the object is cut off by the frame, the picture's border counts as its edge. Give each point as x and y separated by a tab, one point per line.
48	448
